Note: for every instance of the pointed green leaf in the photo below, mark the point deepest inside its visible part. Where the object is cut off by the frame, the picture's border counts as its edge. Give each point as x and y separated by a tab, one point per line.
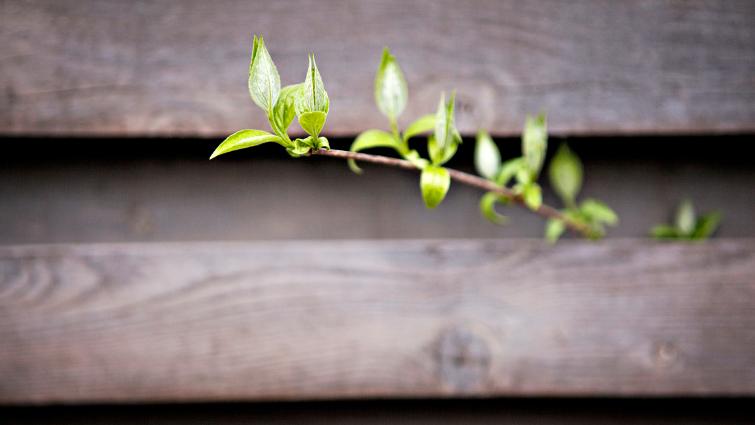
444	122
599	212
534	143
243	139
487	157
368	140
434	183
663	231
706	225
554	229
312	97
422	125
312	122
487	208
685	218
391	92
565	174
508	170
284	111
264	81
532	195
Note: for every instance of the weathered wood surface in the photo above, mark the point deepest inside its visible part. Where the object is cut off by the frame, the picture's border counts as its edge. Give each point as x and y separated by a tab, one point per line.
145	67
302	320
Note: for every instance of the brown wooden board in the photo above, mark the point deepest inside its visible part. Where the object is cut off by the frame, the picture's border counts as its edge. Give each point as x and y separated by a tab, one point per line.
97	67
343	319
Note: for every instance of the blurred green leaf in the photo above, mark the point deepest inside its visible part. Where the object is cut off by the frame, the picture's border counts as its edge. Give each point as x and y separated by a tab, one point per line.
437	155
565	174
264	81
554	229
532	195
508	170
599	212
371	139
534	143
663	231
685	218
322	143
706	225
300	147
446	137
284	111
391	92
487	208
243	139
422	125
434	183
419	162
487	157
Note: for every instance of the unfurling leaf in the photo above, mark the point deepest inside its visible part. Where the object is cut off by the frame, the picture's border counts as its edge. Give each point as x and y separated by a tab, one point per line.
706	225
284	111
434	183
264	81
371	139
534	143
391	92
532	195
554	229
565	174
685	218
312	103
243	139
422	125
301	147
487	157
487	208
599	212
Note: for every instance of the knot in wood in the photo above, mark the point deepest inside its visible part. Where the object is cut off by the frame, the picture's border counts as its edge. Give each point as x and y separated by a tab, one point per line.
463	360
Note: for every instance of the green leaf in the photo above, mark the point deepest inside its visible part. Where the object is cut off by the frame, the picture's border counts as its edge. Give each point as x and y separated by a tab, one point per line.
487	157
437	155
391	92
554	229
243	139
434	183
264	81
599	212
534	143
323	143
284	111
685	218
371	139
565	174
487	208
663	231
532	195
312	122
313	97
706	225
301	147
422	125
444	123
508	170
419	162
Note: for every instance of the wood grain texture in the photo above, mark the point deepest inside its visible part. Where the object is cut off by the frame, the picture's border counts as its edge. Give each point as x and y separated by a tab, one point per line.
313	320
145	67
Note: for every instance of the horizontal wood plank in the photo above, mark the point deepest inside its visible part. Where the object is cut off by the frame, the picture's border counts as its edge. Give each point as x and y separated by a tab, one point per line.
97	67
333	319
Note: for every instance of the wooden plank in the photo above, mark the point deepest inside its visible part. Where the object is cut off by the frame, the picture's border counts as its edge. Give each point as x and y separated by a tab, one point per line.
332	319
179	68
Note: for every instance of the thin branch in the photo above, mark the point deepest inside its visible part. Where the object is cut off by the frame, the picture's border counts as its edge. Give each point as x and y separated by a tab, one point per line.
464	178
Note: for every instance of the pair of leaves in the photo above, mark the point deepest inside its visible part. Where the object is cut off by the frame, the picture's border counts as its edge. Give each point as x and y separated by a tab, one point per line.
308	101
687	226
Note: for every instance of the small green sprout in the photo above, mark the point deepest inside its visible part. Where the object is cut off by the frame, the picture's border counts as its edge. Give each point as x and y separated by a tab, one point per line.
687	226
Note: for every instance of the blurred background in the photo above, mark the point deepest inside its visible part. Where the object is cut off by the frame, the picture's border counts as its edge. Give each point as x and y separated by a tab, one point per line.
108	113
